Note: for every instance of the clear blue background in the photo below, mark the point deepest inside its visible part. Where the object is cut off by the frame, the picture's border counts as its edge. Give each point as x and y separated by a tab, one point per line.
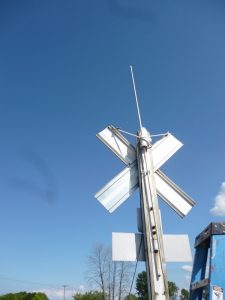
64	76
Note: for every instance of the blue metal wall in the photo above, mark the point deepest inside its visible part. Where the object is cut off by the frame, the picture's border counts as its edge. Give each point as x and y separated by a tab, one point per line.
217	262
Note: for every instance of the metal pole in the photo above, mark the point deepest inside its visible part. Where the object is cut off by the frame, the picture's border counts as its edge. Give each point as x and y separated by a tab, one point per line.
64	291
154	253
136	97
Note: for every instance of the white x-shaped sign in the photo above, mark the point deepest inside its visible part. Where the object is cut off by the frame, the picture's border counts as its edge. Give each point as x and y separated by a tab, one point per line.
114	193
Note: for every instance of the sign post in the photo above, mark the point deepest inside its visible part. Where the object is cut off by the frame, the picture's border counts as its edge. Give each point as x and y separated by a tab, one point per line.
142	170
154	254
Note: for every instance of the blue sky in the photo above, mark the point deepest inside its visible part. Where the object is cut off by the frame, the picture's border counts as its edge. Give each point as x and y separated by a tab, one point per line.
64	76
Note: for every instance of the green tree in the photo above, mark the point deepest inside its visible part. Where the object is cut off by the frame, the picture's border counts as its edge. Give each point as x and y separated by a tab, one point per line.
130	297
184	294
8	297
93	295
39	296
173	289
24	296
141	286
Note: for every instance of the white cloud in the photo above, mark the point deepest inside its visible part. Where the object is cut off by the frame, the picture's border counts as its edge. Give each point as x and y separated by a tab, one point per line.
187	268
219	203
82	287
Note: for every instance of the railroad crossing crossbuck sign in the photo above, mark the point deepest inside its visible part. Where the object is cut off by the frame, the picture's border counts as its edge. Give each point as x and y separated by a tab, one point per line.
142	170
113	194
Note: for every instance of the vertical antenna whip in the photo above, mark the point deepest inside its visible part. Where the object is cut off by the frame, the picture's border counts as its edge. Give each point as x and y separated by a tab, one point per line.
135	94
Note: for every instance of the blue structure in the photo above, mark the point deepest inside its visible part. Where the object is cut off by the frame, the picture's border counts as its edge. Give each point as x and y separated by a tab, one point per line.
208	275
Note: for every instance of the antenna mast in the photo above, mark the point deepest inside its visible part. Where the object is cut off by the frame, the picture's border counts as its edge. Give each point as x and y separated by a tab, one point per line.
135	94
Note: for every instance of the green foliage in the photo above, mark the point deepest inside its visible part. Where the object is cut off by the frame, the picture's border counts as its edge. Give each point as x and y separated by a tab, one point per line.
173	289
24	296
141	286
39	296
184	294
130	297
8	297
93	295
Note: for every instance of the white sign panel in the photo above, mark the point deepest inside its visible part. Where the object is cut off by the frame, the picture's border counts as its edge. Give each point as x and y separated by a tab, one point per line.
163	149
177	248
113	139
172	194
119	188
129	247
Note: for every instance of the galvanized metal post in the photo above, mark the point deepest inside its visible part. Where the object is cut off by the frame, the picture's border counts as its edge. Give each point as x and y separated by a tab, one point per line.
154	252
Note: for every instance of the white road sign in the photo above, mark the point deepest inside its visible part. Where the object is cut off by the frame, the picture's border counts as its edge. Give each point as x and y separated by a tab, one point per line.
114	193
130	247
